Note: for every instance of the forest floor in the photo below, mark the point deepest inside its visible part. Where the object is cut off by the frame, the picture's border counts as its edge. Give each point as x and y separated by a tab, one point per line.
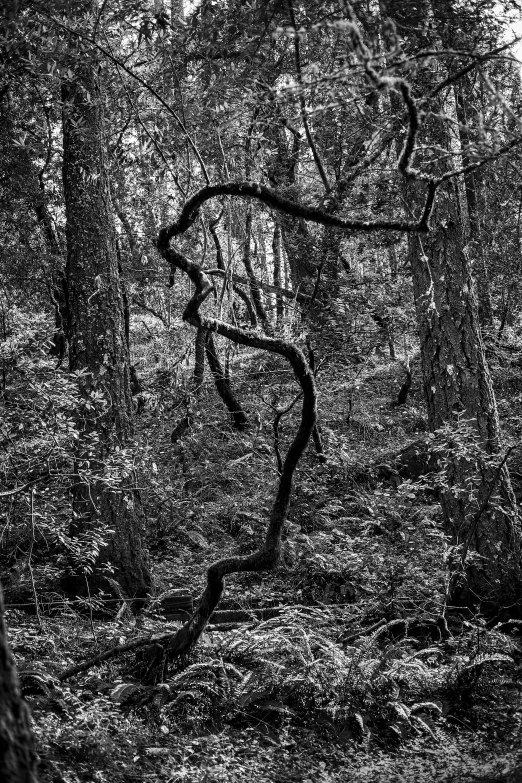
359	679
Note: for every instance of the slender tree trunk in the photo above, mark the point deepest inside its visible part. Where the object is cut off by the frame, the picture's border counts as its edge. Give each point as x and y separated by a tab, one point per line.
20	168
220	264
278	274
255	290
17	754
297	240
510	298
223	386
98	347
199	359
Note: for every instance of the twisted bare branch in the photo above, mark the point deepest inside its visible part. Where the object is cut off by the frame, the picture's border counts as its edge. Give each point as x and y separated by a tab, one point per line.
273	199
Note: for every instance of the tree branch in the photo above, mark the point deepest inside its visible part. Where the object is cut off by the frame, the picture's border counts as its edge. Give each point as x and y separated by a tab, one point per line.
271	198
303	298
267	555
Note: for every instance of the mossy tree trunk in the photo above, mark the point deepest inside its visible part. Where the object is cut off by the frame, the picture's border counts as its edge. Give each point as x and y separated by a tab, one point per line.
98	347
478	502
458	388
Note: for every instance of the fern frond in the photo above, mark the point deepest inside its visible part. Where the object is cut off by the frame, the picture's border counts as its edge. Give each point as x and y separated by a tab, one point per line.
488	657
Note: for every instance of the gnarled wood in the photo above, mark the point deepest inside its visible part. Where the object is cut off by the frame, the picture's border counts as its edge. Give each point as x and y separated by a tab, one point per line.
273	199
267	555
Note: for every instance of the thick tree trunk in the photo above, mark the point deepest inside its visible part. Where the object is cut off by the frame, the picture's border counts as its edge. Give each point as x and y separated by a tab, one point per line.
97	341
477	500
474	187
458	387
255	290
478	503
17	755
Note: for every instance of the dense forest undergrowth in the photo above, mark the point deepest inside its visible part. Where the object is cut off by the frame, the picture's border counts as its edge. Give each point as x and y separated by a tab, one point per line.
364	674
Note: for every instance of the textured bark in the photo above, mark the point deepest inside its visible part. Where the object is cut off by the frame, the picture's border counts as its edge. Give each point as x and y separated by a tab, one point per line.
97	329
474	188
17	754
458	387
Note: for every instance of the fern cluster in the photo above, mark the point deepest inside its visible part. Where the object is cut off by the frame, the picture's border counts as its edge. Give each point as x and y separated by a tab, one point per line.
373	689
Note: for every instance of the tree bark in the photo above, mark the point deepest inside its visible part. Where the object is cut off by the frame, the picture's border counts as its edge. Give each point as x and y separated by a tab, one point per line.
97	341
17	754
474	187
458	388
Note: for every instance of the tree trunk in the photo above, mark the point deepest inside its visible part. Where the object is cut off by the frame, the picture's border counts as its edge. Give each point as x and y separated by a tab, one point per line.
278	269
199	359
220	264
255	290
97	341
298	242
474	186
19	168
223	386
17	755
477	500
458	388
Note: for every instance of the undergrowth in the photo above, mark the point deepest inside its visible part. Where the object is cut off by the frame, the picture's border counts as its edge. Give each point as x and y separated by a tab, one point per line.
366	657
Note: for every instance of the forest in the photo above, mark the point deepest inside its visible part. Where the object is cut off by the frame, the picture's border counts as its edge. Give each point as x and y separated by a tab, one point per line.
260	391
